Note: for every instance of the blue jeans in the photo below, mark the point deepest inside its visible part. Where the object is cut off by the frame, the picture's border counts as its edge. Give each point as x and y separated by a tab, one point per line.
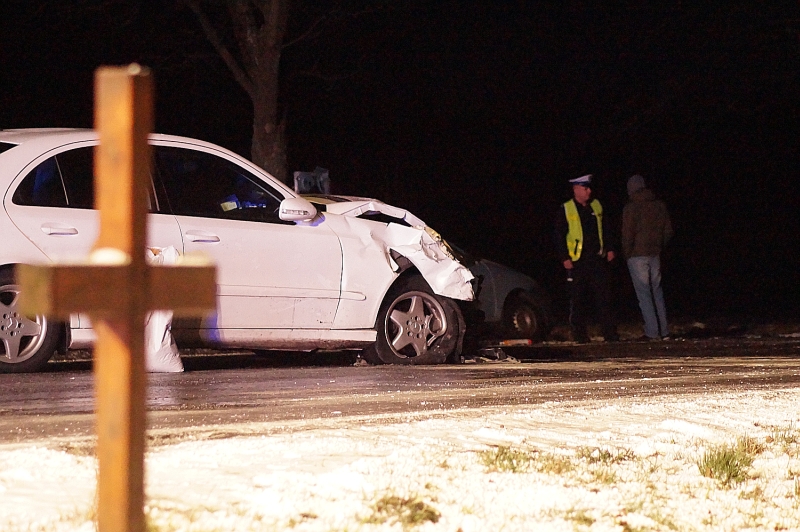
646	276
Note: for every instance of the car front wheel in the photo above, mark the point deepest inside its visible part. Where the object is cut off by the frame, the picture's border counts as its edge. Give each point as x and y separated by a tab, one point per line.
523	317
27	343
415	326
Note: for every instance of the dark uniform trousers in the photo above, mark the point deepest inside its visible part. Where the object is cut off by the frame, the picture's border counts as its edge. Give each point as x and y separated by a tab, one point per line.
591	277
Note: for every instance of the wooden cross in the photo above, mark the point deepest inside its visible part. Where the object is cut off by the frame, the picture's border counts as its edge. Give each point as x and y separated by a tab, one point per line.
118	288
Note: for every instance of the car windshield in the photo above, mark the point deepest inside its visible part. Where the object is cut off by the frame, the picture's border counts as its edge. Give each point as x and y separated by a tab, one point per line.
321	199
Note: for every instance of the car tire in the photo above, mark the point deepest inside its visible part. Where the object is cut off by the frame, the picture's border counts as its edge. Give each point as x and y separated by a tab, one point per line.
26	344
415	326
524	318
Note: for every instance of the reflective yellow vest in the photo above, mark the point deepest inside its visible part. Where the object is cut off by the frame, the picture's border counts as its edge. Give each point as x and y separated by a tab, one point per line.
575	232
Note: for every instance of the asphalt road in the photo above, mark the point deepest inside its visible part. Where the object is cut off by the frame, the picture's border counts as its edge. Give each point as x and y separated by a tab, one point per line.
223	392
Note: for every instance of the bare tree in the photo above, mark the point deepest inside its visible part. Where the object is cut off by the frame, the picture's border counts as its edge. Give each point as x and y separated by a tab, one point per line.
258	31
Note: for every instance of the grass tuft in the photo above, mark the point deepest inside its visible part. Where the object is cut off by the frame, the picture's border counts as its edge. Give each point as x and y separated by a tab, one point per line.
755	494
506	459
596	455
580	517
302	518
786	435
554	464
749	446
407	511
728	464
604	475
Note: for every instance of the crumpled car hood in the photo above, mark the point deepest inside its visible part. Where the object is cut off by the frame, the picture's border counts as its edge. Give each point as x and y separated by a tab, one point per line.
414	240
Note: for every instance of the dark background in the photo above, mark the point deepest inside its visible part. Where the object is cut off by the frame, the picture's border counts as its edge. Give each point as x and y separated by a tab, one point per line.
474	115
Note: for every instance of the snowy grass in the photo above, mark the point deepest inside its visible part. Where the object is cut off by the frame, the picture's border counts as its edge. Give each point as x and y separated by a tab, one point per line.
408	512
729	463
506	459
708	462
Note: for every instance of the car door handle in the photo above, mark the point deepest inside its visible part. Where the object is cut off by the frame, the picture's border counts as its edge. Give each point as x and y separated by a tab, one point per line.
202	236
58	229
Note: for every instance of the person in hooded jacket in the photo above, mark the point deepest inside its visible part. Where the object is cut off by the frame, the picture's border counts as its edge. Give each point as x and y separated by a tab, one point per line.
646	229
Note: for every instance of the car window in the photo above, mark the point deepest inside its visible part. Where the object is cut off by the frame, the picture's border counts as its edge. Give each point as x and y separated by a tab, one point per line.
77	171
42	187
65	180
5	146
202	184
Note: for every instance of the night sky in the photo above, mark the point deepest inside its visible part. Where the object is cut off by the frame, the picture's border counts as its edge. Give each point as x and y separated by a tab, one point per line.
474	114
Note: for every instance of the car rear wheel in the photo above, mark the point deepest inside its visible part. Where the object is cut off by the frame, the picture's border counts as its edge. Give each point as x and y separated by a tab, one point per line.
415	326
524	318
26	343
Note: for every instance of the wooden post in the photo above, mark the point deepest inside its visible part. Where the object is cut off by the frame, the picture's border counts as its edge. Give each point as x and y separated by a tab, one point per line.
117	287
123	119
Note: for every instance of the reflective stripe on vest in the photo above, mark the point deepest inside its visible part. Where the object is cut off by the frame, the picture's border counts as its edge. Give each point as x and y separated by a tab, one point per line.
575	232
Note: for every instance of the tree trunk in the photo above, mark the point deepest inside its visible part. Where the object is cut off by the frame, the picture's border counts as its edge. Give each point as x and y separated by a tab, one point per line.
268	149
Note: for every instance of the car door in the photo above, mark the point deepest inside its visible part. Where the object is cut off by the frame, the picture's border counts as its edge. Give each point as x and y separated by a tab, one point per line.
52	204
271	274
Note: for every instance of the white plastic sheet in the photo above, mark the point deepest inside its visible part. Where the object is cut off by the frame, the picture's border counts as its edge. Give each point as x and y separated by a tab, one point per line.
161	353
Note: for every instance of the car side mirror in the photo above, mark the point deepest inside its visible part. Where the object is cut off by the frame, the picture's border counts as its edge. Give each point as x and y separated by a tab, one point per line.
296	210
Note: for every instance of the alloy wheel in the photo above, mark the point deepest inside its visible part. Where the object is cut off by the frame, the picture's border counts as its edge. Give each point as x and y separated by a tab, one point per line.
21	337
414	322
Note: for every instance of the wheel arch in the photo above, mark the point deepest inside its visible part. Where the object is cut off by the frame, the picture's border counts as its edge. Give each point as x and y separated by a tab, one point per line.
409	271
534	294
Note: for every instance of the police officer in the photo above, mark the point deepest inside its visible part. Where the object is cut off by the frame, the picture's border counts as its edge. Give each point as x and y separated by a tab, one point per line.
585	249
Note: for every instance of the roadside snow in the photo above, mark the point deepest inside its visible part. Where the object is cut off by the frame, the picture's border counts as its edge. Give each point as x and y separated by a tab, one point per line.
625	465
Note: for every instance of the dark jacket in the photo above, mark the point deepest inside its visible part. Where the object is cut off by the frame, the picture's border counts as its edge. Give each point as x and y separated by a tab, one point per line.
646	227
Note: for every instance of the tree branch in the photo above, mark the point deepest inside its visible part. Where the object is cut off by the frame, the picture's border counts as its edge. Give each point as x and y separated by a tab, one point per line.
311	28
239	74
330	18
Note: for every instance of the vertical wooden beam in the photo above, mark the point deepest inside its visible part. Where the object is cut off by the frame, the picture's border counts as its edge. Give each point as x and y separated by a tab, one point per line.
123	118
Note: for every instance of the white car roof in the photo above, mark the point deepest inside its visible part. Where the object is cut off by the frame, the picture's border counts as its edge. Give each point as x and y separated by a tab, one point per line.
42	137
60	136
36	141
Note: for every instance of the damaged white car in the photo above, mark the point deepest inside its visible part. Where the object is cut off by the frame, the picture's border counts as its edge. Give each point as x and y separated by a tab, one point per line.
289	277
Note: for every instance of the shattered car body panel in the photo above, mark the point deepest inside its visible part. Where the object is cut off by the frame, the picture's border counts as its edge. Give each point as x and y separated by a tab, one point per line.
407	236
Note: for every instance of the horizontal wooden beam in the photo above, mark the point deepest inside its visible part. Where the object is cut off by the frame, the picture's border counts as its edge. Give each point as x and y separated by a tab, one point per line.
61	290
186	290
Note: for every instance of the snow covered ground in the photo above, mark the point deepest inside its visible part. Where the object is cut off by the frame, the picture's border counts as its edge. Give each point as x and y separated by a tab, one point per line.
626	465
